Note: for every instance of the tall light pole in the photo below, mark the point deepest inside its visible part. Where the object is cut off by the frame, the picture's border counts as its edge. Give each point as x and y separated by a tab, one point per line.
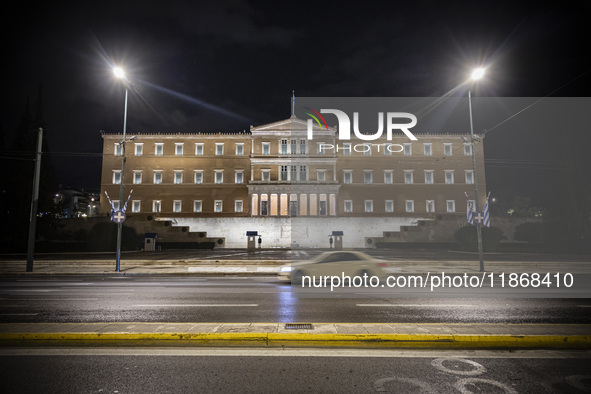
34	204
476	75
119	73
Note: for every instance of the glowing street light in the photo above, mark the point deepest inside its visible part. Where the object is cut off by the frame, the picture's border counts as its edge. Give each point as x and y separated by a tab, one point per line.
119	73
476	75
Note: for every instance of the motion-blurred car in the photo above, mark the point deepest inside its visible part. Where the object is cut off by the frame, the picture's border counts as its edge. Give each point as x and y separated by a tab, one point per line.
349	263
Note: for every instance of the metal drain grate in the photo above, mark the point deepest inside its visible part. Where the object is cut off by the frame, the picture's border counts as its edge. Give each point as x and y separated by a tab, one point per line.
299	326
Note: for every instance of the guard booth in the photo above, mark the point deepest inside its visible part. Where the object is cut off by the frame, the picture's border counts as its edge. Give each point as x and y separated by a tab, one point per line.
337	239
150	242
251	242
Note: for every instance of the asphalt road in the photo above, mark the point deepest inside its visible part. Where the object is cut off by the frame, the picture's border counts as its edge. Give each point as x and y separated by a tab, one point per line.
291	371
116	298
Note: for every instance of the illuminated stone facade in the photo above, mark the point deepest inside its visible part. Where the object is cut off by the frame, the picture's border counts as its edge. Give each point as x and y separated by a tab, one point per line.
275	181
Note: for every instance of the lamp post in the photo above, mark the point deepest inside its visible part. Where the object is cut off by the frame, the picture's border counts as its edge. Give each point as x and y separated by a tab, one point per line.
119	73
476	75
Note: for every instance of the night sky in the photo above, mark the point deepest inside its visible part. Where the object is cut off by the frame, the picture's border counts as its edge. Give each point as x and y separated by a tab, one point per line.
223	66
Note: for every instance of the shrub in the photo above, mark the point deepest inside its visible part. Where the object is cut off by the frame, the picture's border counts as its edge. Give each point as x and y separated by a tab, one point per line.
467	238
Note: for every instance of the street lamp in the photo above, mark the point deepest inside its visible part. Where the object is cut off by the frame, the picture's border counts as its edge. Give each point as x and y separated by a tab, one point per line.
476	75
119	73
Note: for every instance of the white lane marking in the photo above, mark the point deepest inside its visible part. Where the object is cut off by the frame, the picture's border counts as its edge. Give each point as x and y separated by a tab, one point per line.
30	290
287	352
416	305
196	305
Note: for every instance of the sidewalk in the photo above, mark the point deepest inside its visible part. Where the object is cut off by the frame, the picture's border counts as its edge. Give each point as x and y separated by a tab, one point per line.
438	336
269	267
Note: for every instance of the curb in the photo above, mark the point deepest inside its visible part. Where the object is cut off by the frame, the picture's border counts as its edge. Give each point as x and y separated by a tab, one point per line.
423	341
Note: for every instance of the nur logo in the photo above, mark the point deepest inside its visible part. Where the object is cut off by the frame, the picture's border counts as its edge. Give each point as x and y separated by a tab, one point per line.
345	124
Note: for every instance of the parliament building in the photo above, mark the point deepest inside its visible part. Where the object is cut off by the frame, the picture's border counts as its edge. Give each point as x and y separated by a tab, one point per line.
291	190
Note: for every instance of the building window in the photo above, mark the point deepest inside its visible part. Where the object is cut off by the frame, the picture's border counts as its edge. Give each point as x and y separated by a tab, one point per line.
219	149
346	149
447	149
157	177
117	151
348	176
367	151
368	205
178	177
407	149
199	177
283	171
264	205
469	177
139	149
265	175
388	177
321	175
137	177
217	205
266	148
239	176
387	149
116	205
293	173
156	206
178	148
158	149
177	206
410	206
199	149
449	177
427	148
322	205
197	205
284	147
389	206
303	173
293	205
135	206
219	176
321	148
238	206
408	177
239	149
303	147
429	177
368	177
293	147
116	177
467	150
450	205
430	206
348	208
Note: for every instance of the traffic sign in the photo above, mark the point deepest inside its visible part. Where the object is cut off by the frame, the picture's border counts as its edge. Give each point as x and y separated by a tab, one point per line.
118	216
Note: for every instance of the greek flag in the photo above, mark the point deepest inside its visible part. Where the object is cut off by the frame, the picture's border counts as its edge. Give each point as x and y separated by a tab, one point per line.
485	214
469	210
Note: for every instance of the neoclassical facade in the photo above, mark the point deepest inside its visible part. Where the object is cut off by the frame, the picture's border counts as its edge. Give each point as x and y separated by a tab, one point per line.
291	189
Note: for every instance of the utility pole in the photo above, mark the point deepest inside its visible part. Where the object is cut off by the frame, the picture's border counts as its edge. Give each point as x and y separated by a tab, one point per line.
34	204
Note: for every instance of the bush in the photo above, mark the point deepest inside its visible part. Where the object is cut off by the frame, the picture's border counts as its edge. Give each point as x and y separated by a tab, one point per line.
530	232
467	238
103	238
